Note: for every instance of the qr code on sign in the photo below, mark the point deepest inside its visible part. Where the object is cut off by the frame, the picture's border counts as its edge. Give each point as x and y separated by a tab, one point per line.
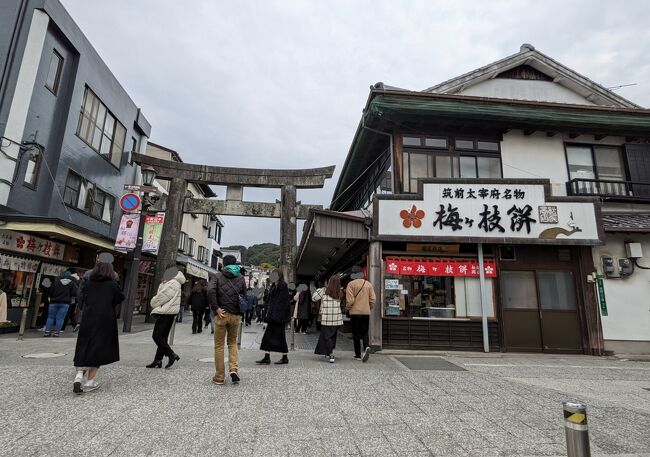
548	215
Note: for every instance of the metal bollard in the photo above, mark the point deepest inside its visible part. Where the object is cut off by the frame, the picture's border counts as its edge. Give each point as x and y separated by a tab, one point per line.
575	427
23	320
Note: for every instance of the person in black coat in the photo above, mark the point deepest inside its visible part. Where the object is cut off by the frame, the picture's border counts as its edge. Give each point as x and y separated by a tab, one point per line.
198	301
97	343
303	312
278	315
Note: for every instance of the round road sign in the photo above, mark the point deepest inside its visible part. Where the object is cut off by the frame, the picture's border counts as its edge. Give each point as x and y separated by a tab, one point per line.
130	202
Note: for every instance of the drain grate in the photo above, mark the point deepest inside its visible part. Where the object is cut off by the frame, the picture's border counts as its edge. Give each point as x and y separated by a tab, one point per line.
429	363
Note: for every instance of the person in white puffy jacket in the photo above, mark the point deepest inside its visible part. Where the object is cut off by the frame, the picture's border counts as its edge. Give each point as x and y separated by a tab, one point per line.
166	304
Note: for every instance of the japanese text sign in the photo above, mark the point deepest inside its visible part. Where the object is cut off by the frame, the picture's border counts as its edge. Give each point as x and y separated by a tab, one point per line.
439	267
127	234
488	211
28	244
153	226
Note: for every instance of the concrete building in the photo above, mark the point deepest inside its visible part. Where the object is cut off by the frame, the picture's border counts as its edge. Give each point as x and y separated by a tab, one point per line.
67	130
523	165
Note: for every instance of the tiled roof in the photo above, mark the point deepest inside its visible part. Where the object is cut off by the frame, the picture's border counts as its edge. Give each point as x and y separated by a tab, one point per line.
626	222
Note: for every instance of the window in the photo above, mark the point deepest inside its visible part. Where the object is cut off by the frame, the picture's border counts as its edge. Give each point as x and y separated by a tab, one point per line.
206	221
192	248
429	157
33	168
87	197
54	72
183	242
596	166
100	130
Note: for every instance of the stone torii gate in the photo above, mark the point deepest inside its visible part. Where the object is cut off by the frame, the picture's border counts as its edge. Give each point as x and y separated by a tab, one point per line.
288	210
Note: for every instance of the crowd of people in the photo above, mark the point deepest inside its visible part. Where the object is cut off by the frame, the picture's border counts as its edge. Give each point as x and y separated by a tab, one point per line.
224	303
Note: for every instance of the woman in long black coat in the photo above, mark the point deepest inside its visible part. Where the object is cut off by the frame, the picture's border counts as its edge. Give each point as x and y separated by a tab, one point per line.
97	343
278	315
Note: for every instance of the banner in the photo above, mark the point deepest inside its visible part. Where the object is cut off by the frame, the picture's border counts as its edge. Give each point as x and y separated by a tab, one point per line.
439	267
11	263
127	234
28	244
153	226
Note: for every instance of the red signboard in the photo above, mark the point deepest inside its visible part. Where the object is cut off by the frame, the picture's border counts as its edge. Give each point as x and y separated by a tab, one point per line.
439	267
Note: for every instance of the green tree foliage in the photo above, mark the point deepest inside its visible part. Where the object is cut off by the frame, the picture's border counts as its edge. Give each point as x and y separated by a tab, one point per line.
258	254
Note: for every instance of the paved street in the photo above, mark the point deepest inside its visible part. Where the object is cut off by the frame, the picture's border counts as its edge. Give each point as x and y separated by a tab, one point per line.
503	404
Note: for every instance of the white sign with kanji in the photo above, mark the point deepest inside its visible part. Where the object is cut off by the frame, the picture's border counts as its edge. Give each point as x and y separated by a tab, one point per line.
29	244
488	211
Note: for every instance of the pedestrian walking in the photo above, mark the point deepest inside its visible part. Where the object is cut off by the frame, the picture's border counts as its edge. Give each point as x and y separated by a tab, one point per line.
166	305
360	299
97	343
198	302
225	290
71	315
303	309
251	299
278	314
331	316
61	294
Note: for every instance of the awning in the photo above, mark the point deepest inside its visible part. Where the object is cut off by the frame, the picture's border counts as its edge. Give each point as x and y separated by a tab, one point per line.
626	222
195	268
68	234
328	239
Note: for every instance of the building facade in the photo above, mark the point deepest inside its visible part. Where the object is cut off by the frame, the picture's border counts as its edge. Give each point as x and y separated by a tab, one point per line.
522	170
67	129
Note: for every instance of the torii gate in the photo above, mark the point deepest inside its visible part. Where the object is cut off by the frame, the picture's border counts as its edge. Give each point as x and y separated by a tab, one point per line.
288	209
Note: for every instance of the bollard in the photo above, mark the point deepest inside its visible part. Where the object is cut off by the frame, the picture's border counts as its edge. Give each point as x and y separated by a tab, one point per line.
575	427
23	319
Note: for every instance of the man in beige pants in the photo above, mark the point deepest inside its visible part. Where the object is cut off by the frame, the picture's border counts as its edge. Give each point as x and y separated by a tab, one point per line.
360	299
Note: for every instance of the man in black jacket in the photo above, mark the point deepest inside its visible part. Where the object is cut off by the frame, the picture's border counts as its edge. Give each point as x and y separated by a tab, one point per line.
224	292
61	294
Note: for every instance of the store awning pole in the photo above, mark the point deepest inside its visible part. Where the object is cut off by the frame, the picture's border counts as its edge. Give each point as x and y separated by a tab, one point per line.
486	340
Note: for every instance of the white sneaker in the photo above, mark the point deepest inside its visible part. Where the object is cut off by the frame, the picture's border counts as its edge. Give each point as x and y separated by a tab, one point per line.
366	355
91	385
332	360
78	380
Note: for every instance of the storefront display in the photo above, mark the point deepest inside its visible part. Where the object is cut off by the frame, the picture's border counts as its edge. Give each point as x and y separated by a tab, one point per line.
17	279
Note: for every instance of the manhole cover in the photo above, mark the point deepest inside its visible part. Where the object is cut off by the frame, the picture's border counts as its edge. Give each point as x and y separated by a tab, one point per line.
44	355
207	360
428	363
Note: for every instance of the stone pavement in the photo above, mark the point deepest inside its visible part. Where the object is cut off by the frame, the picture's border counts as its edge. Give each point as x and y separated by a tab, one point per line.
502	404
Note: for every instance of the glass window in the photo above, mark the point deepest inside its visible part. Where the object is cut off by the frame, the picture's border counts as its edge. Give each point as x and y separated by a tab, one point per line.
54	72
489	167
97	209
580	162
518	290
428	296
411	141
33	167
85	201
436	142
556	290
465	144
118	145
609	163
490	146
467	167
109	204
72	184
417	166
446	166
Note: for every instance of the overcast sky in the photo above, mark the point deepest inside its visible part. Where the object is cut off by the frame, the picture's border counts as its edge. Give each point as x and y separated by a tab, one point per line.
281	84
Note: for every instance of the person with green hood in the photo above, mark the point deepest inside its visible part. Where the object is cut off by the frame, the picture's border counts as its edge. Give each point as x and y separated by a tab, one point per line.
224	292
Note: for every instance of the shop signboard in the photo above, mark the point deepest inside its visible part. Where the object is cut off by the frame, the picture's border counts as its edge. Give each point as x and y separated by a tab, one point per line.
153	226
32	245
601	296
439	267
392	284
127	233
488	212
11	263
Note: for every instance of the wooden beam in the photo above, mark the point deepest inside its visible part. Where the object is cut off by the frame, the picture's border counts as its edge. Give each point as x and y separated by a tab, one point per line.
311	178
551	134
574	135
241	208
529	132
599	137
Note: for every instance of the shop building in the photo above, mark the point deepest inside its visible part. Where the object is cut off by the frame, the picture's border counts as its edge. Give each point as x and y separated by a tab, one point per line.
67	129
523	166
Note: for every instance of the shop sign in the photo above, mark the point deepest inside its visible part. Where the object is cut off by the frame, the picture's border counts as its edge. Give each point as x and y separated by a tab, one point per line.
392	284
28	244
488	212
50	269
434	248
153	226
127	234
439	267
601	296
11	263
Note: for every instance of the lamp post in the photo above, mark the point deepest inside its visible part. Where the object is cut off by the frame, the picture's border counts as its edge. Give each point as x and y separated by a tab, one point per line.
148	176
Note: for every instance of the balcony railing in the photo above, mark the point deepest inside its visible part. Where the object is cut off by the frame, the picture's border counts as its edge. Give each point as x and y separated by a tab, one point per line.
626	190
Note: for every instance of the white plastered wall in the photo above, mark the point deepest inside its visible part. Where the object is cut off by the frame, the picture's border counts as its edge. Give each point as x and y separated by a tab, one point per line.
628	300
519	89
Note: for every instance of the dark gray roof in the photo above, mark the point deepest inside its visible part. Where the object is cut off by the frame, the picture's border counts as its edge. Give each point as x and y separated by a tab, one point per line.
626	222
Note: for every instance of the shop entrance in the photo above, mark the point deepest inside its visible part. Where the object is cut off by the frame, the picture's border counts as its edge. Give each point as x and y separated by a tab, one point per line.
540	311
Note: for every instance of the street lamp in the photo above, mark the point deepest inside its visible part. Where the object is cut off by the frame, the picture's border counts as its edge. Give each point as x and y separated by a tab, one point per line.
148	176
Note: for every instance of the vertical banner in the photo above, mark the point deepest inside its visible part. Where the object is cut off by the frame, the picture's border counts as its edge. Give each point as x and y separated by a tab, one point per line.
127	234
153	226
601	296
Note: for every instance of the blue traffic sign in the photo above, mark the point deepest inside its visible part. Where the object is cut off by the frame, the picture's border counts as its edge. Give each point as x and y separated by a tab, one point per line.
130	202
